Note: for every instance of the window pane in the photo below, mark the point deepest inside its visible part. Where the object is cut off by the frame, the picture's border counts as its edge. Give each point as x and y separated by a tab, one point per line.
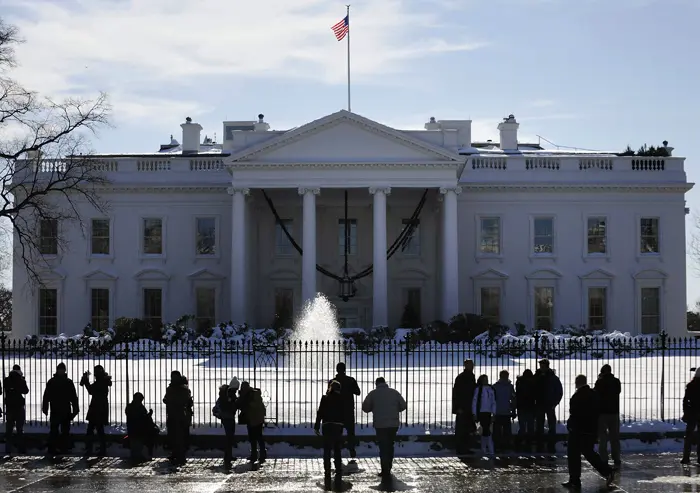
100	237
411	318
99	315
544	308
491	304
48	312
153	236
284	308
283	246
597	235
544	235
153	306
490	241
348	318
651	311
597	308
206	236
352	236
205	308
649	237
412	243
48	237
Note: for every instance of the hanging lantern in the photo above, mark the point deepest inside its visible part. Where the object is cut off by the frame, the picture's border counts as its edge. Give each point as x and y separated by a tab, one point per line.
347	288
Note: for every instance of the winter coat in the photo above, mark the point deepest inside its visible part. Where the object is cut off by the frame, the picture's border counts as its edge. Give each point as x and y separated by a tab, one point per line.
548	389
691	400
385	404
61	398
225	408
525	394
252	408
348	390
608	388
331	410
462	392
178	402
505	398
138	422
98	411
15	390
584	410
488	400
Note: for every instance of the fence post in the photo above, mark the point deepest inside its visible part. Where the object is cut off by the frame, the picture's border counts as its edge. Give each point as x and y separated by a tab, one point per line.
406	394
537	347
126	371
3	340
663	337
255	365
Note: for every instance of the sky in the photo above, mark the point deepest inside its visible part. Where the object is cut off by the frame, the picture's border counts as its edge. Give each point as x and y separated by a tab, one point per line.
594	74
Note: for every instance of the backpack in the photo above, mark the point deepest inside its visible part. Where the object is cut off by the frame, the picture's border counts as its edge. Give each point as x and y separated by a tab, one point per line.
257	410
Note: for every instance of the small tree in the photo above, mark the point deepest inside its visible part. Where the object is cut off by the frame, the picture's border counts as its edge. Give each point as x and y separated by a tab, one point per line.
410	318
5	309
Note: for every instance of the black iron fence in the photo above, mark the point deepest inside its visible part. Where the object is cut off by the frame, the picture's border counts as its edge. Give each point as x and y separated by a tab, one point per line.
293	375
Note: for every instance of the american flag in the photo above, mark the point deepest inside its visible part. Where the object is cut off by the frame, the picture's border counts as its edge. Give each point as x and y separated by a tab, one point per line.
342	28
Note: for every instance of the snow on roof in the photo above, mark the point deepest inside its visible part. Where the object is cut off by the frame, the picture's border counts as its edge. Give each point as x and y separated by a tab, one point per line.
495	150
204	150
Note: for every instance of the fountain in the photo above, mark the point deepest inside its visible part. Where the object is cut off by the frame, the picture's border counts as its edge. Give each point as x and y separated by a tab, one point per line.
317	326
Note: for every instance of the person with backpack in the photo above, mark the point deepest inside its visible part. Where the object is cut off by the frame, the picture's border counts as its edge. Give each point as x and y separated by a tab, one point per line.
525	404
98	410
178	408
609	389
691	416
15	412
462	393
140	428
252	415
348	390
332	413
505	411
548	395
225	410
484	408
60	404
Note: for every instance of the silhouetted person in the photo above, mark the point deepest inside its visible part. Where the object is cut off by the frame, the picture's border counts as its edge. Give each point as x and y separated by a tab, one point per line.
484	408
60	403
98	411
348	390
525	404
609	389
15	414
691	415
225	410
548	395
141	429
584	409
253	416
178	407
331	414
505	411
385	404
462	393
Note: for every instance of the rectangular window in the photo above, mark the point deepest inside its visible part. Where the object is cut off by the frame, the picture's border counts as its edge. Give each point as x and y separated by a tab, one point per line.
48	312
411	317
348	318
153	306
543	240
649	235
206	236
491	304
651	311
48	237
351	239
597	233
544	308
153	236
412	244
205	310
284	308
597	308
99	312
99	242
490	236
283	246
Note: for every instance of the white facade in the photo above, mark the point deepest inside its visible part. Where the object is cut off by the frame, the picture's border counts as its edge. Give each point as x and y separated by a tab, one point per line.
519	234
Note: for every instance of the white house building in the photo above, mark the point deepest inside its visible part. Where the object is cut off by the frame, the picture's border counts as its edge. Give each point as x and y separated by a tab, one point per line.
507	230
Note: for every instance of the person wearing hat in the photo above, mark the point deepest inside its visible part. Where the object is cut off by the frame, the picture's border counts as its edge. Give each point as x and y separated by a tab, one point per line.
691	415
332	413
548	395
98	411
15	390
225	410
609	389
60	403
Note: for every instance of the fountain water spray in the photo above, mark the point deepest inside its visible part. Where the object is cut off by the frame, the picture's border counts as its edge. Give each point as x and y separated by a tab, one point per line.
318	324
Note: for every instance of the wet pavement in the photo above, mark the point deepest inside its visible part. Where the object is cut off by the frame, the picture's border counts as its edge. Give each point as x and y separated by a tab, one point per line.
640	473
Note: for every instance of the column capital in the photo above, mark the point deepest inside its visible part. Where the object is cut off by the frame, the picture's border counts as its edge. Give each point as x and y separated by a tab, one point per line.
384	190
305	190
445	190
234	190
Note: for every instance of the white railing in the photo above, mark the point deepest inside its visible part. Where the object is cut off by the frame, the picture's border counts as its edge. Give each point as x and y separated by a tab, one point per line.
594	163
153	165
207	164
589	164
484	162
550	163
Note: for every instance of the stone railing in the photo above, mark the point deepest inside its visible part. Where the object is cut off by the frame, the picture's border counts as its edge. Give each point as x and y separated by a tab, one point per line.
207	164
563	164
153	165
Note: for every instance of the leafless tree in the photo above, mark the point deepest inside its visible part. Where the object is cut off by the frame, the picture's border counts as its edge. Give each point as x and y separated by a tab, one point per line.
47	172
5	309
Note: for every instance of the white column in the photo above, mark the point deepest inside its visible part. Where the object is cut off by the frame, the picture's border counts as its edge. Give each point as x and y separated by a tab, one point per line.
239	285
450	254
380	310
308	259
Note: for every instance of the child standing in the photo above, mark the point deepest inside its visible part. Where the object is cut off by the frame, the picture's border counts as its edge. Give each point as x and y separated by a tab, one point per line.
484	408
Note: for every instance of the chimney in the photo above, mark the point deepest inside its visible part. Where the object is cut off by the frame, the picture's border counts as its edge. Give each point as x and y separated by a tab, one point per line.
509	133
432	124
190	136
464	130
261	126
669	150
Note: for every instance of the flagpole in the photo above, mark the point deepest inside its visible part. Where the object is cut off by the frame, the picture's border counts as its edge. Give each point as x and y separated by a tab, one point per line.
348	14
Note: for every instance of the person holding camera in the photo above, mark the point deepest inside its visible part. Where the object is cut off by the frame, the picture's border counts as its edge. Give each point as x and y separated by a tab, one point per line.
98	411
61	401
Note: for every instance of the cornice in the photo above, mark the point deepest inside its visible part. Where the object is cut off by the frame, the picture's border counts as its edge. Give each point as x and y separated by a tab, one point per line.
576	187
238	165
222	189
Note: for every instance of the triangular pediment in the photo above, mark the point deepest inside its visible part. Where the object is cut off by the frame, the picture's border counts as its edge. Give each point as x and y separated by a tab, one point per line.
345	137
100	275
650	274
598	274
205	274
491	274
151	275
544	274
